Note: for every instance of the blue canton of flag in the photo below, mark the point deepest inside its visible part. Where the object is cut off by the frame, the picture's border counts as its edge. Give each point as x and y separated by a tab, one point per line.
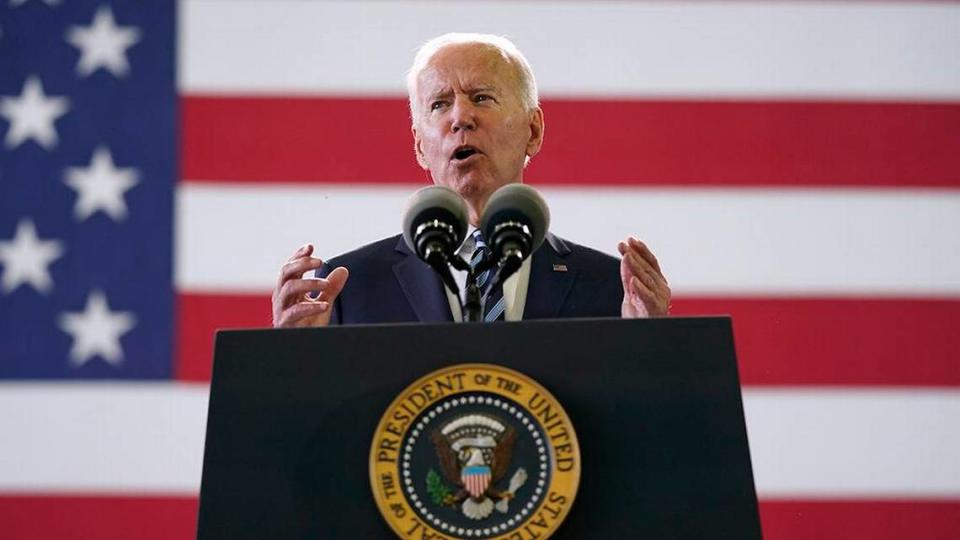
87	171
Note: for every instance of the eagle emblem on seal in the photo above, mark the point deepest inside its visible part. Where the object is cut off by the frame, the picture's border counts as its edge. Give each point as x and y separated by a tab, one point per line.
474	452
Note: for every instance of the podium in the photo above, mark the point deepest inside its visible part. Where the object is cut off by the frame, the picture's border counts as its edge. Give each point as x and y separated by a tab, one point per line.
656	406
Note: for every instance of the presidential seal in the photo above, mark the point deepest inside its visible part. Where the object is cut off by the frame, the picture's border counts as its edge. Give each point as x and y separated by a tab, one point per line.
475	451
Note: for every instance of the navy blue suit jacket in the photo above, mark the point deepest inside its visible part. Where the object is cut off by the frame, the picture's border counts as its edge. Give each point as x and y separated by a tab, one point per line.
389	284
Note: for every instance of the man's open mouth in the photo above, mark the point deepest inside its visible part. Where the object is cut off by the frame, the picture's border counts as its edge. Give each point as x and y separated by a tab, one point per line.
463	152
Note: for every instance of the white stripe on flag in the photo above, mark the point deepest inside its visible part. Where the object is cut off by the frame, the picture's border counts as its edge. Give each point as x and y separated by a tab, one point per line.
710	242
862	443
102	437
811	443
868	49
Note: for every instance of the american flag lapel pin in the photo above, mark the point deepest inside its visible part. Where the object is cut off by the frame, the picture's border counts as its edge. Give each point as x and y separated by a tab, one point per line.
559	268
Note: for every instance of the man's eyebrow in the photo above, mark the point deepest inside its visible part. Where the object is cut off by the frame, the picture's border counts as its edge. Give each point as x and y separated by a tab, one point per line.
447	92
443	92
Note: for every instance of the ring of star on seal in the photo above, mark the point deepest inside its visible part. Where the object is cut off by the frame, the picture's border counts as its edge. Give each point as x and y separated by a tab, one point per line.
475	451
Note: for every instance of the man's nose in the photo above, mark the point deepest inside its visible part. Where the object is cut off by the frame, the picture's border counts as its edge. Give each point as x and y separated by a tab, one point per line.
462	116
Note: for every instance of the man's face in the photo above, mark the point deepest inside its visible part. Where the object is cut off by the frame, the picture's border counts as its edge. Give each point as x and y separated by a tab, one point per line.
472	131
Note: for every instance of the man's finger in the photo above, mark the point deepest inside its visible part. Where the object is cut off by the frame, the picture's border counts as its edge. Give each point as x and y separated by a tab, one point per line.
647	295
654	302
293	291
644	270
626	274
296	268
627	248
296	313
336	280
638	265
302	251
644	251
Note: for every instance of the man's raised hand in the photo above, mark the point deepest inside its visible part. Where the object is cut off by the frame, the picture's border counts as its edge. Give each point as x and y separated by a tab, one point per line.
295	303
645	290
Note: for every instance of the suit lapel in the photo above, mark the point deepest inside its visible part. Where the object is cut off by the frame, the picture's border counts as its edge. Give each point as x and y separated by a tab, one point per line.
422	287
551	278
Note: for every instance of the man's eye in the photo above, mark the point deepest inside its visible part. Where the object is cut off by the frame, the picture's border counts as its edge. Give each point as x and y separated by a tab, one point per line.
436	105
482	97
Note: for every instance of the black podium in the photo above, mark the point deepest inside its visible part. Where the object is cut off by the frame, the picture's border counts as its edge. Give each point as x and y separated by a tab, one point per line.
656	405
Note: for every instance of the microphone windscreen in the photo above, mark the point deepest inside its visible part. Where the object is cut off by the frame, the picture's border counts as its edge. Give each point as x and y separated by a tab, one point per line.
434	202
517	202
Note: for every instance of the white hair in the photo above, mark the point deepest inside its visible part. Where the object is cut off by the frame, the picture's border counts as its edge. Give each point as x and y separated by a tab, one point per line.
511	54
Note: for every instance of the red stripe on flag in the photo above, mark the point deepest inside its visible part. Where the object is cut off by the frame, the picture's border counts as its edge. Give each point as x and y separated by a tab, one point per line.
832	341
874	520
172	518
615	142
199	316
127	517
796	341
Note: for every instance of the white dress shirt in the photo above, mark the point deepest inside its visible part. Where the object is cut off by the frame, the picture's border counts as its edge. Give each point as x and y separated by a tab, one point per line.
514	288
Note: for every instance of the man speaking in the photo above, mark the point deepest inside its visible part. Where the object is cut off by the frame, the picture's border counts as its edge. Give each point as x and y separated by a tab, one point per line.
476	124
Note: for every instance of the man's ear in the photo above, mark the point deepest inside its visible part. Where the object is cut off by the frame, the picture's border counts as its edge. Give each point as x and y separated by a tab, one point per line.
536	132
417	149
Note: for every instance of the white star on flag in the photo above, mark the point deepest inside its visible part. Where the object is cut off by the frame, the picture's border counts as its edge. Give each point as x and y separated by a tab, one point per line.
103	44
97	330
26	259
32	115
101	186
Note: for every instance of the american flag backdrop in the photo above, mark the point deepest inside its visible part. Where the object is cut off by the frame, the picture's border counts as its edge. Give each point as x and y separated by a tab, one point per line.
793	164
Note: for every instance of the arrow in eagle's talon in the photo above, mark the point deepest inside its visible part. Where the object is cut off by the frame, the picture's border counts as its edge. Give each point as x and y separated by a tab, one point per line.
518	479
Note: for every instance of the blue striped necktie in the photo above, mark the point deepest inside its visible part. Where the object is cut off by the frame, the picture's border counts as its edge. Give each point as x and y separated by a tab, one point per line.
495	305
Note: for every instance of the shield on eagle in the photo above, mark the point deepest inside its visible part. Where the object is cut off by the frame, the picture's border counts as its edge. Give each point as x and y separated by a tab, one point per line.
476	479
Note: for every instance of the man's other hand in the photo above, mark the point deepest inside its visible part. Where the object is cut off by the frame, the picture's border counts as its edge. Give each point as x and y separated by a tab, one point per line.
295	299
645	290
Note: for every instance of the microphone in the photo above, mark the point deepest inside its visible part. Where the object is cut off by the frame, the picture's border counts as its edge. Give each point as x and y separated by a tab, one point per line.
434	225
514	224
